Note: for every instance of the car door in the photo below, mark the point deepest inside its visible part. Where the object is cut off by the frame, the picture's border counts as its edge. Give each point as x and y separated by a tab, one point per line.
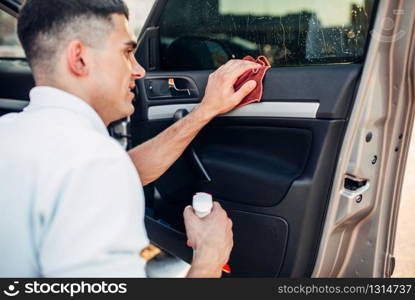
16	79
288	170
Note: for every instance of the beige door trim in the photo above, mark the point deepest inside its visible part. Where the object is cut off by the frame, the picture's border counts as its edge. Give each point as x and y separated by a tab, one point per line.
359	230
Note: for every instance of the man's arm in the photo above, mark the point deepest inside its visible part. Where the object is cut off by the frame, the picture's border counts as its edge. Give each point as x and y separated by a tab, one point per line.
155	156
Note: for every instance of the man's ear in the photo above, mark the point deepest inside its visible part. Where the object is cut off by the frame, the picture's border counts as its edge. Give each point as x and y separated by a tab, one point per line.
76	59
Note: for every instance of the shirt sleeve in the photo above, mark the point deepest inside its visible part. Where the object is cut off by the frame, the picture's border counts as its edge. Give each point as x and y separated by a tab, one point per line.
96	228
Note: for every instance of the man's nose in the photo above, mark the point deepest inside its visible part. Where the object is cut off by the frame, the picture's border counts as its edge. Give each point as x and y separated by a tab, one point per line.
138	70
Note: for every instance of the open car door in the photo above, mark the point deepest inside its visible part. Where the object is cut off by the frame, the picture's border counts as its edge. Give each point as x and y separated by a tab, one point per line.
16	78
310	176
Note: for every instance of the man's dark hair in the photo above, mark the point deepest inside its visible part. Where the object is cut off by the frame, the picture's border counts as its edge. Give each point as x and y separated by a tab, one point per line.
45	26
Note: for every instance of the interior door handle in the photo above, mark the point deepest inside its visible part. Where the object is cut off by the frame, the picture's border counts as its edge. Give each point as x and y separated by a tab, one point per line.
197	163
170	87
174	90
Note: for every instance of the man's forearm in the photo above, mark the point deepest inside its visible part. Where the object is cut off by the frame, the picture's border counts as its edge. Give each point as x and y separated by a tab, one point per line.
204	265
203	272
155	156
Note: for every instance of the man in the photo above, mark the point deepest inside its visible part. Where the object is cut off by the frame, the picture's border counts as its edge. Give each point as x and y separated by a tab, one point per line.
71	198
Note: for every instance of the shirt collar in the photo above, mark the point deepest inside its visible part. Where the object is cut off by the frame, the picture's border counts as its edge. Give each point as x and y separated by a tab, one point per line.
50	97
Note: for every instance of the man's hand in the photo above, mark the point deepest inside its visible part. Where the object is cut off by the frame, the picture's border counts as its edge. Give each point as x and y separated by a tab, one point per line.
220	96
211	239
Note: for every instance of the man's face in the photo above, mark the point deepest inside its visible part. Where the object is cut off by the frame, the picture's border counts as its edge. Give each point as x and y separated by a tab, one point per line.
114	71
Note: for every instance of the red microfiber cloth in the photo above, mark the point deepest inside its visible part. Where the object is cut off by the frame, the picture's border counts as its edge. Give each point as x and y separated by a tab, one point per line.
254	74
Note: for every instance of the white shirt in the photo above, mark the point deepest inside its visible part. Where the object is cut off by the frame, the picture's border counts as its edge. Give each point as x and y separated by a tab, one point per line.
71	201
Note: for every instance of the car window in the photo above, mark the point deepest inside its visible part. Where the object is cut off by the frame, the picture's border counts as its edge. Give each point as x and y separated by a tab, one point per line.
9	42
204	34
139	10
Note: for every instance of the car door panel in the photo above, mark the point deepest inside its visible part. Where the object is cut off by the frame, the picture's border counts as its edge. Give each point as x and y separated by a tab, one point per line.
330	86
243	159
269	164
270	169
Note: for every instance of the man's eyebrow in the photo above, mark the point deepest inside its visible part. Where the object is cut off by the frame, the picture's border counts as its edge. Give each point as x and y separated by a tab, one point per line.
131	44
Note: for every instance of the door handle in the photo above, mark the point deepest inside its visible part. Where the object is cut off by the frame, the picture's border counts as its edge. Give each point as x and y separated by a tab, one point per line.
166	88
195	160
174	90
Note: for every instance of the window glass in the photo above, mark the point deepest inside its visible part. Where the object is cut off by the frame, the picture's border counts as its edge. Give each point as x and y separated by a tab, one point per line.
139	10
9	42
203	34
